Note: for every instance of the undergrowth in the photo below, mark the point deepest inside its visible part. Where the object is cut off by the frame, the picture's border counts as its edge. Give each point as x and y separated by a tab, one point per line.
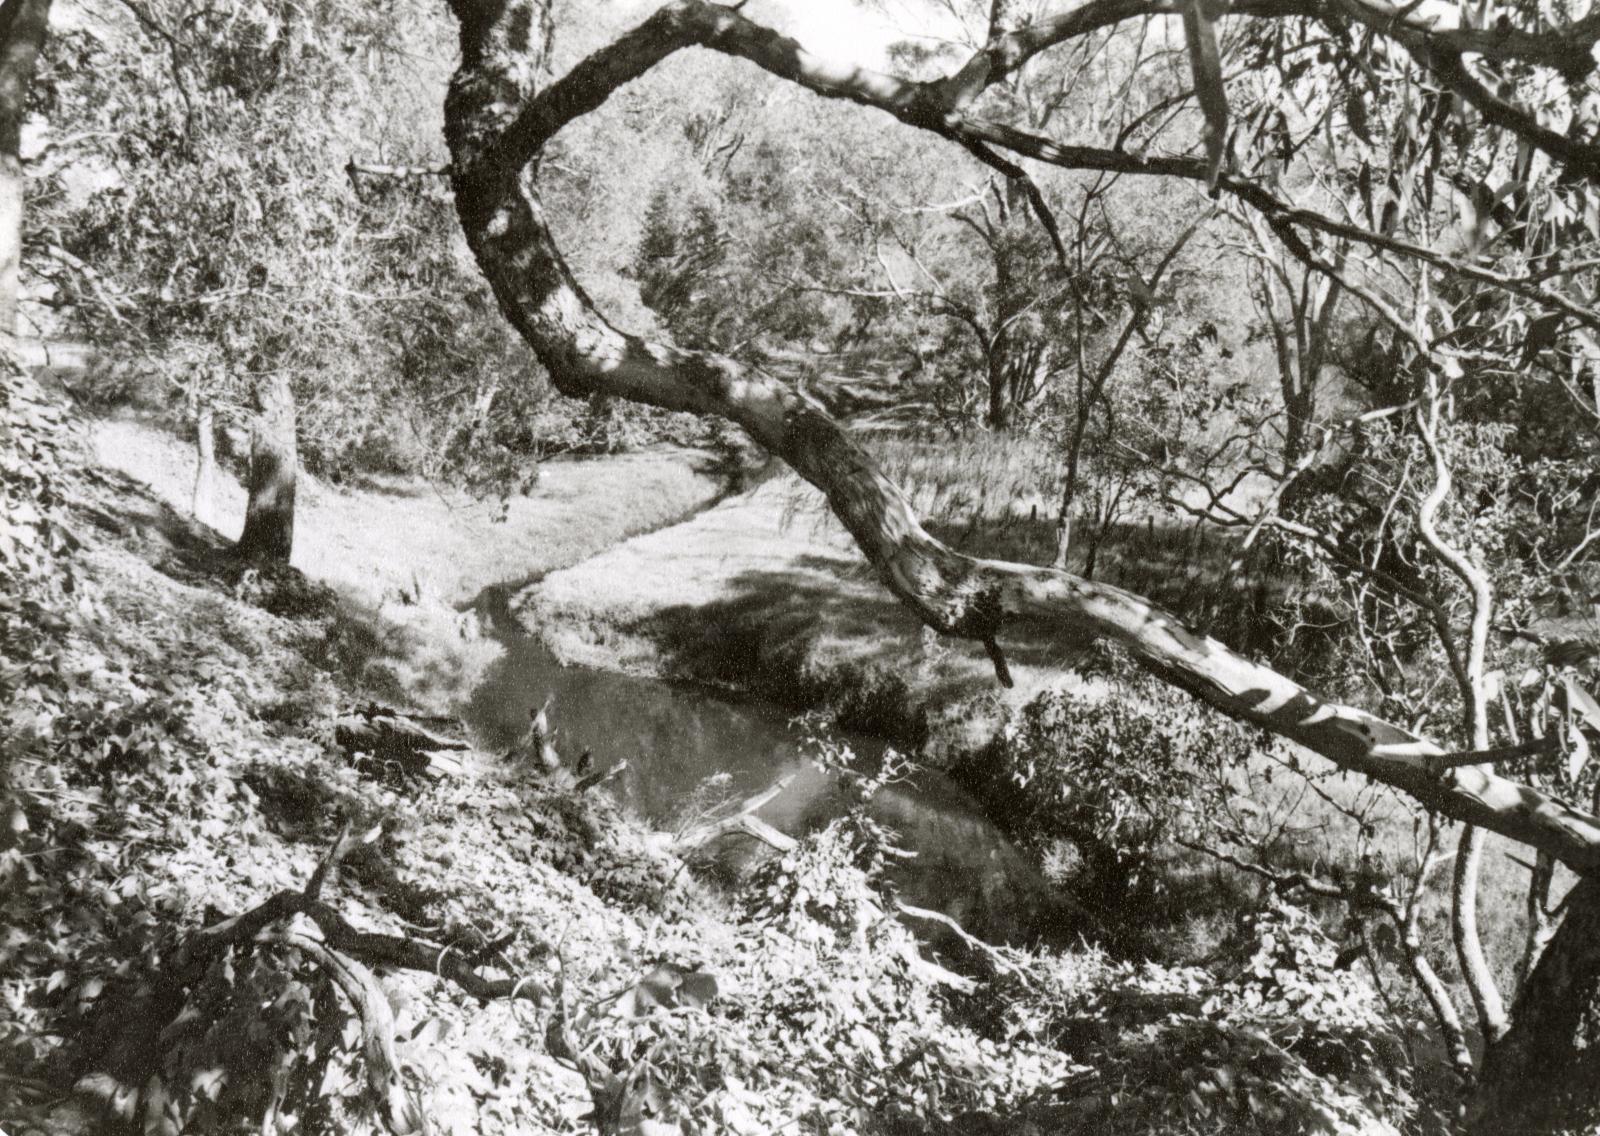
214	920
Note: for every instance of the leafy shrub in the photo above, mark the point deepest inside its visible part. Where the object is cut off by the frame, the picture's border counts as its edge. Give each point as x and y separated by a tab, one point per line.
638	875
1113	774
1278	1040
819	891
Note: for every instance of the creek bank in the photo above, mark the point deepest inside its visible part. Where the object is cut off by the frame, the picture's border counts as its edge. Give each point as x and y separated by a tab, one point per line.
379	537
681	751
764	593
174	764
408	645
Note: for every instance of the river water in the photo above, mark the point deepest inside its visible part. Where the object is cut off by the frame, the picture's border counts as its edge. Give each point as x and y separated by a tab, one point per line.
674	737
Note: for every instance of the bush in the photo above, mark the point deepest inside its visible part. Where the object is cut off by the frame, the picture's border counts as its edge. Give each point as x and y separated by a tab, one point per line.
1115	774
1277	1040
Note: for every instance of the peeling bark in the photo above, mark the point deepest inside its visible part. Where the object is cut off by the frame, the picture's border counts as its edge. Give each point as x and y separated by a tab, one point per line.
495	124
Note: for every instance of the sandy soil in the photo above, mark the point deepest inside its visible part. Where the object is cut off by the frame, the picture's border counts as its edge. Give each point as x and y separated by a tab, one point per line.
373	540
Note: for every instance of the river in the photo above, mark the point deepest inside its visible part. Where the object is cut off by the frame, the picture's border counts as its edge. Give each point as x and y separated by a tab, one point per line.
674	737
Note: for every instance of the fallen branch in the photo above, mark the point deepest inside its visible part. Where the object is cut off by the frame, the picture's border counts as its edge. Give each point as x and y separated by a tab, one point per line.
369	947
920	967
413	742
595	780
742	822
353	168
398	1108
998	957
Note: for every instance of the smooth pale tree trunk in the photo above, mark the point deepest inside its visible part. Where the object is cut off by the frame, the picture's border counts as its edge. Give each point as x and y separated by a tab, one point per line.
268	535
205	472
22	29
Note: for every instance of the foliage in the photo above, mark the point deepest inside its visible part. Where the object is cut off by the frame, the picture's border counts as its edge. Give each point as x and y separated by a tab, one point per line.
1279	1040
33	542
1118	774
205	220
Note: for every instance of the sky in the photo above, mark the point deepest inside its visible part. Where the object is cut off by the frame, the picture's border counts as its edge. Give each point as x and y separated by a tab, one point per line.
841	30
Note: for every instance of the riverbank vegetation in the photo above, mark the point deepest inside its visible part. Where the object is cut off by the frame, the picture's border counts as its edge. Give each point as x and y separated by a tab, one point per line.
1191	424
174	768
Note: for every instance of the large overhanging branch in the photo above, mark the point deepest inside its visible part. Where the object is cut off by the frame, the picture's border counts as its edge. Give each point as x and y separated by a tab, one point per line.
691	23
1438	23
952	593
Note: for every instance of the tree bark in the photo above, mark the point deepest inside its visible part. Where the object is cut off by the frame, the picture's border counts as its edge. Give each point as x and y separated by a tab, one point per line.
1475	968
1544	1074
999	416
492	142
23	24
268	535
205	471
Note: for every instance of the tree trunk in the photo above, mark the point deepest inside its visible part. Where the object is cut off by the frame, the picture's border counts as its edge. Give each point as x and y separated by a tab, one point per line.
1543	1076
269	512
205	472
22	29
999	417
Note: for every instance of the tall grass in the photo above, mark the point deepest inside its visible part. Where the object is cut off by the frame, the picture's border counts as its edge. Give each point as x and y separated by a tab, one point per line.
974	477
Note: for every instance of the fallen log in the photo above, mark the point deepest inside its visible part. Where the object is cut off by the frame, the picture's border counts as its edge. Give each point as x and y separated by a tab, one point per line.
742	822
595	780
394	738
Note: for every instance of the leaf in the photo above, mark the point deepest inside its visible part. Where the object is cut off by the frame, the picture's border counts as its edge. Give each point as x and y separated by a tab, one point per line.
160	1110
1580	703
698	989
1542	333
665	987
208	1083
1577	755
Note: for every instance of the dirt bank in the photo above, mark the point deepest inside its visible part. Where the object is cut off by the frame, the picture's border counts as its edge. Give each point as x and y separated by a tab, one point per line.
766	593
373	539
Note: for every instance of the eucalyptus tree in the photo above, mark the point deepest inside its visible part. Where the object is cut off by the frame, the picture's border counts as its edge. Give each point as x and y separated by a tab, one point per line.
498	121
251	213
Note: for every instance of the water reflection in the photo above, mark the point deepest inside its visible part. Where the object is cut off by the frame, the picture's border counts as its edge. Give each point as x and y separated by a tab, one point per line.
675	737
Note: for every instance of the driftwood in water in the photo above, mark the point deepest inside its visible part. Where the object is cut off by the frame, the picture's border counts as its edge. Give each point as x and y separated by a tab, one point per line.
594	780
538	744
743	822
394	740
